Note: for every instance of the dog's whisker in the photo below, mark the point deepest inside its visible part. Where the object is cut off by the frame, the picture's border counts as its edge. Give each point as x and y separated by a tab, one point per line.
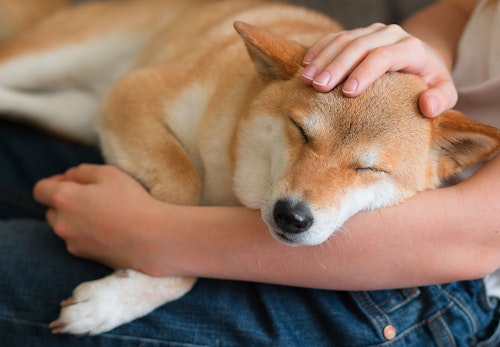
342	231
321	264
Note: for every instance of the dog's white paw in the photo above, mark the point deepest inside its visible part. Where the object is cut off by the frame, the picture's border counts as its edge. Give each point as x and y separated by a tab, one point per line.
104	304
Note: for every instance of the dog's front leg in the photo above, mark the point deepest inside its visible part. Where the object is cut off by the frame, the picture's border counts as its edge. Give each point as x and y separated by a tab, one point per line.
135	139
101	305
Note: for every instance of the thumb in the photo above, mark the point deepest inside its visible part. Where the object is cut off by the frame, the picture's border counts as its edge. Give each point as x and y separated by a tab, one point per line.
438	99
85	173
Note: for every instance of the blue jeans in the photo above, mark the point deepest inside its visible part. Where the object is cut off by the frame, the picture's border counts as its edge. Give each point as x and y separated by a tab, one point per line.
37	273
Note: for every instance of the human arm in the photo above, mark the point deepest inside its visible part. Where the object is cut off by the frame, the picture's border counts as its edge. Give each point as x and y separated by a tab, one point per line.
105	216
424	45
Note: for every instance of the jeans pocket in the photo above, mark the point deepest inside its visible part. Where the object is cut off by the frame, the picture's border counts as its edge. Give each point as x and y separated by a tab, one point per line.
448	315
383	307
388	312
410	317
390	300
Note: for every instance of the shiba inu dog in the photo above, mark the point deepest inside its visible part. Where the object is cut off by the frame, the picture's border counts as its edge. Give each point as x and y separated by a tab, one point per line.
201	101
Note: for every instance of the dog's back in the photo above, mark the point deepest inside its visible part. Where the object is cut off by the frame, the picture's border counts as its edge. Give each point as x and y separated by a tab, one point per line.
85	49
16	16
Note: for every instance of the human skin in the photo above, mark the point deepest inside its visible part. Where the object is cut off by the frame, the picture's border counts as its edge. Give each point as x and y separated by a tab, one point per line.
438	236
426	47
106	216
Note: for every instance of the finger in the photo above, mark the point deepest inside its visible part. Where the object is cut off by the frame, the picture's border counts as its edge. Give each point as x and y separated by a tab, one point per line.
85	173
376	43
317	47
319	55
44	190
51	216
404	55
340	39
328	47
438	99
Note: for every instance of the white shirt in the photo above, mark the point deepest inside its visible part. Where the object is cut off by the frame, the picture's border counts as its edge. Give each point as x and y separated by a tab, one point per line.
477	77
477	69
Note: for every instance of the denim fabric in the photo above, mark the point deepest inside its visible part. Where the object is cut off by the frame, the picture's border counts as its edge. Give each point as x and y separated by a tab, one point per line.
37	273
26	155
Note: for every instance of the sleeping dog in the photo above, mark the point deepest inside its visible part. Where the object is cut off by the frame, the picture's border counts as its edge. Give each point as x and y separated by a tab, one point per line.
201	101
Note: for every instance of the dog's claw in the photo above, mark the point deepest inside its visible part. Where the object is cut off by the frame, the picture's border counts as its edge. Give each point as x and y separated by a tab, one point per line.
122	273
68	302
56	326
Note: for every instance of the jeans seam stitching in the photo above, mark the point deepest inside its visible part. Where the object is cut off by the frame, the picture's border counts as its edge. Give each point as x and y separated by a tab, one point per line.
473	325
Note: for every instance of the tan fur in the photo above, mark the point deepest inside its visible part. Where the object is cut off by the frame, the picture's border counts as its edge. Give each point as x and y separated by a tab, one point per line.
17	15
204	113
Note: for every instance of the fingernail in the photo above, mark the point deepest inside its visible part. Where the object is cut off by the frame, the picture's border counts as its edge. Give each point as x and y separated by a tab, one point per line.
350	86
309	72
322	79
308	58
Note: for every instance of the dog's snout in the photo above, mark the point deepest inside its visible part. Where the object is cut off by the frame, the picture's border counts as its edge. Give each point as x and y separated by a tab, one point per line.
292	216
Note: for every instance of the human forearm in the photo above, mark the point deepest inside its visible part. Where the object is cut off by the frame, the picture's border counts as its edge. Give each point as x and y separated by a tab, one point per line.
438	236
429	239
440	25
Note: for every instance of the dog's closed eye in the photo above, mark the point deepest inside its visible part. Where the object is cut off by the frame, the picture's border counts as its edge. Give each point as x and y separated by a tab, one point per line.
369	162
370	169
301	131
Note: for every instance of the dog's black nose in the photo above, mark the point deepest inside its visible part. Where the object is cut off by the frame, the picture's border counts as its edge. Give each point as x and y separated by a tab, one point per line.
292	216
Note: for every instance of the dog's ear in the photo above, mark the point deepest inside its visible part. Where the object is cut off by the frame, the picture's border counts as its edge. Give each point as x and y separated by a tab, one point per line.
273	55
461	142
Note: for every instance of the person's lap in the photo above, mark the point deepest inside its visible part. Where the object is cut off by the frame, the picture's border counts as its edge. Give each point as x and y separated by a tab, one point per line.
27	155
38	273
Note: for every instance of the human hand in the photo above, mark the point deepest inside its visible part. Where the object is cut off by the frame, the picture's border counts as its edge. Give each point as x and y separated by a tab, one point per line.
360	56
101	213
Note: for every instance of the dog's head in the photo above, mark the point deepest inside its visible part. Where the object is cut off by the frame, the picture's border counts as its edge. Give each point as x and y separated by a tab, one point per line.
310	160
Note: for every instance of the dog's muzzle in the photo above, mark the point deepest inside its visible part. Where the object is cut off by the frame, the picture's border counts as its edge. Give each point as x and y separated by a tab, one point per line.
293	217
